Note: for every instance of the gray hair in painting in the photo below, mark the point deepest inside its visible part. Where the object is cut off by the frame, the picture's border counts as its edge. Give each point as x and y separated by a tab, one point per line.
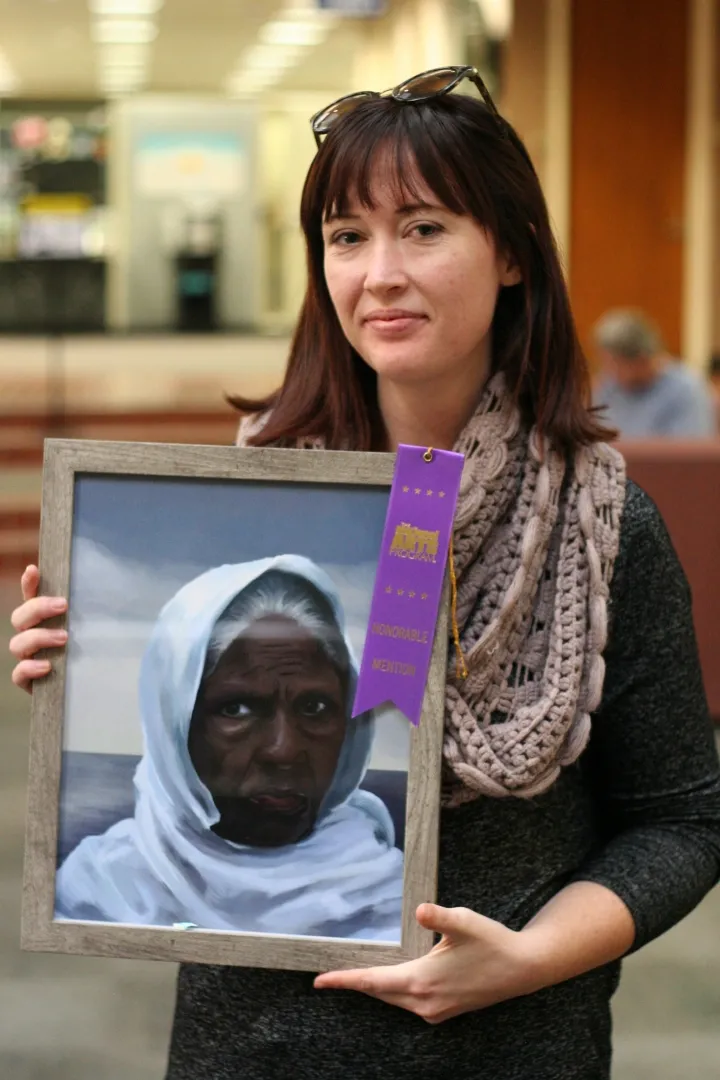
282	594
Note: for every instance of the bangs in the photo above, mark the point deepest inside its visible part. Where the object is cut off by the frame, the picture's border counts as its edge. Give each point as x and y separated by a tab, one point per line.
398	147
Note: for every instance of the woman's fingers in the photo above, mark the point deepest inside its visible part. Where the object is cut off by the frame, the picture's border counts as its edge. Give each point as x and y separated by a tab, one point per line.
36	610
24	646
30	582
31	637
28	670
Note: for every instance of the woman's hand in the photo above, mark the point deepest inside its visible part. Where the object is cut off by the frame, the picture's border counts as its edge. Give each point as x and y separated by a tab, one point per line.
31	637
478	962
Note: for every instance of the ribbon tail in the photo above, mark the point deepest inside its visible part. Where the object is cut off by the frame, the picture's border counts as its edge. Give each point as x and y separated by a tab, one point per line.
368	698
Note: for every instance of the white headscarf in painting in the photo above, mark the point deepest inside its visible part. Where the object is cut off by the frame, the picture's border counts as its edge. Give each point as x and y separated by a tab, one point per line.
165	866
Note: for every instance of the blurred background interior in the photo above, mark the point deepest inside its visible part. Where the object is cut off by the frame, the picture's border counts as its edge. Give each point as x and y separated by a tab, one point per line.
152	154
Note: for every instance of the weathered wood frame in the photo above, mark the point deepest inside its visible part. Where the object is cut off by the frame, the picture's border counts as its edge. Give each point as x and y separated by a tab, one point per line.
66	459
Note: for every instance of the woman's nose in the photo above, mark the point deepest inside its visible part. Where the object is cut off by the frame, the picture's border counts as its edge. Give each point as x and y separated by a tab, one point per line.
385	269
282	743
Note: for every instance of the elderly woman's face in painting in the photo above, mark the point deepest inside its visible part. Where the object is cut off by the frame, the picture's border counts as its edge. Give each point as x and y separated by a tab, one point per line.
266	732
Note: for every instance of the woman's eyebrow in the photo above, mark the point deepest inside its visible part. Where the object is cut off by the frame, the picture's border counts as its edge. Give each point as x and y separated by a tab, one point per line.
412	208
233	688
336	216
402	211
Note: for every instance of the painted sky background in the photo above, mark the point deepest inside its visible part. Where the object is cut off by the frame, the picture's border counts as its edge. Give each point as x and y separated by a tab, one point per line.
136	541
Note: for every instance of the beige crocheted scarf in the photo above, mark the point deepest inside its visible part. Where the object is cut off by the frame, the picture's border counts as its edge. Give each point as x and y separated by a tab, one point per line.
534	545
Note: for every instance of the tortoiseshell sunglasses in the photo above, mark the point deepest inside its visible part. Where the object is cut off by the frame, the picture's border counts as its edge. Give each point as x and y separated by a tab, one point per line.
429	84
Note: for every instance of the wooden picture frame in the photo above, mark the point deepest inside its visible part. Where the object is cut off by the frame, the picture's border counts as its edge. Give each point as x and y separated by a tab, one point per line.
71	467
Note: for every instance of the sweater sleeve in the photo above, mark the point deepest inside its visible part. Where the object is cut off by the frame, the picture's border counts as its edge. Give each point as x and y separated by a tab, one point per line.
652	757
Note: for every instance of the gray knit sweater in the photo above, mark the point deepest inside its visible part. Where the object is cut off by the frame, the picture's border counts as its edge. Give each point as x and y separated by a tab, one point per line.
639	813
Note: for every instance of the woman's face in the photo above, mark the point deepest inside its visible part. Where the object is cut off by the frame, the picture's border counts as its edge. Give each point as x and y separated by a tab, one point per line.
266	733
414	285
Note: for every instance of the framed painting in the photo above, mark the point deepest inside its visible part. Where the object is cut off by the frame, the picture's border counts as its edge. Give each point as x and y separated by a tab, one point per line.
200	787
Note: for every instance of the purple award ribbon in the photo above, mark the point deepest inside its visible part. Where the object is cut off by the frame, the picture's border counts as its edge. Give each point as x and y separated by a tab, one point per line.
409	580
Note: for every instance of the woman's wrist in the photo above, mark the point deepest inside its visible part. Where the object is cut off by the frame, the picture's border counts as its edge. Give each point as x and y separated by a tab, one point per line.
583	927
543	954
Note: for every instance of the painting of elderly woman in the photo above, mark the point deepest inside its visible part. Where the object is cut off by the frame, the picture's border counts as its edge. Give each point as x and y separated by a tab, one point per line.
257	802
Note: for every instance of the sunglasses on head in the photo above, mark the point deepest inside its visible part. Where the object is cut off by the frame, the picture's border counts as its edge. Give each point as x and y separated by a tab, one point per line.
423	87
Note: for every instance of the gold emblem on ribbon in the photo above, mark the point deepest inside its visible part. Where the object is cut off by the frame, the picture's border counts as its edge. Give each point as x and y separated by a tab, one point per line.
412	543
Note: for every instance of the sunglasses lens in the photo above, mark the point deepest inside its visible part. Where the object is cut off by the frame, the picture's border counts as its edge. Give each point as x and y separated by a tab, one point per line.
325	120
422	86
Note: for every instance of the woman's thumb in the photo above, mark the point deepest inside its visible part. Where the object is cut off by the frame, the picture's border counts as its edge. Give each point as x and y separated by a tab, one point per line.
453	922
29	582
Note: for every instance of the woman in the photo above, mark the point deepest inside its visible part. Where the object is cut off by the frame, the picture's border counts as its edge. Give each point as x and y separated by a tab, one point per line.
248	814
436	314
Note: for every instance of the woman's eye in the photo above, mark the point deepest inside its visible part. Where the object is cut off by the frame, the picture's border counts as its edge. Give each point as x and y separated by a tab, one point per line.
236	710
346	239
314	706
426	229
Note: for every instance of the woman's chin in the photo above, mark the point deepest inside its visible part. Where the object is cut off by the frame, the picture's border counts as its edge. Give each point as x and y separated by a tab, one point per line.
402	366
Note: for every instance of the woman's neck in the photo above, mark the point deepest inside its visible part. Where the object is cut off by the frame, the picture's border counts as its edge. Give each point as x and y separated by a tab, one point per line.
425	414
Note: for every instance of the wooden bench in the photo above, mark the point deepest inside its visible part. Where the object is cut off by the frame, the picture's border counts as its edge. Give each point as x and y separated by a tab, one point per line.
683	479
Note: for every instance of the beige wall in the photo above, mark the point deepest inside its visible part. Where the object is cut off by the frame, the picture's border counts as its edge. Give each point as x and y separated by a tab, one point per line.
413	36
716	133
535	97
286	149
523	78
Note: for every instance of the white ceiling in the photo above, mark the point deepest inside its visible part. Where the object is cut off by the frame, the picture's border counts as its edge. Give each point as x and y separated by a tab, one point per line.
48	46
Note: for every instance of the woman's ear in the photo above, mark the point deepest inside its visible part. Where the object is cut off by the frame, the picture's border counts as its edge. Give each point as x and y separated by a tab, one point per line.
509	271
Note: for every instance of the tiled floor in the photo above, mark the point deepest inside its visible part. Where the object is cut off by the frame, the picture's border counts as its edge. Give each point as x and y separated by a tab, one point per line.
71	1018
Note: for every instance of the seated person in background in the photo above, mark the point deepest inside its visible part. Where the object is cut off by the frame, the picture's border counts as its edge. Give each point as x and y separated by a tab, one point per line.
715	386
646	392
248	811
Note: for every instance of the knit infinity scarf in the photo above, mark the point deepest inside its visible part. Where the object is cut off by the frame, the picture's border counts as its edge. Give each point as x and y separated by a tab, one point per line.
535	542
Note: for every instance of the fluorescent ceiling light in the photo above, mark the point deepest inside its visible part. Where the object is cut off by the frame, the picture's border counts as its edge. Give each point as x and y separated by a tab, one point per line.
245	83
123	69
309	10
125	7
252	78
124	31
270	58
281	42
126	72
123	54
289	32
122	75
243	88
121	84
8	78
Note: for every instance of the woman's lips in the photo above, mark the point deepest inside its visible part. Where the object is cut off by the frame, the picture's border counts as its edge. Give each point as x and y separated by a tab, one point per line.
394	325
281	802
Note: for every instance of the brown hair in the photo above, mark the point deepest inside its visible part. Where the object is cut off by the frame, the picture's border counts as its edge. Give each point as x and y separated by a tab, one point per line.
475	165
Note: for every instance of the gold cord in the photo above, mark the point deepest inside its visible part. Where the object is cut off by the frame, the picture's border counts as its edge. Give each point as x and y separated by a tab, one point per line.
461	670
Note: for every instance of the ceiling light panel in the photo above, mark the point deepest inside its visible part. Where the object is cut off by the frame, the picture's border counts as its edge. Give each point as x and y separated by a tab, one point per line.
126	82
124	31
250	82
269	57
129	72
112	55
8	78
125	7
288	32
299	26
